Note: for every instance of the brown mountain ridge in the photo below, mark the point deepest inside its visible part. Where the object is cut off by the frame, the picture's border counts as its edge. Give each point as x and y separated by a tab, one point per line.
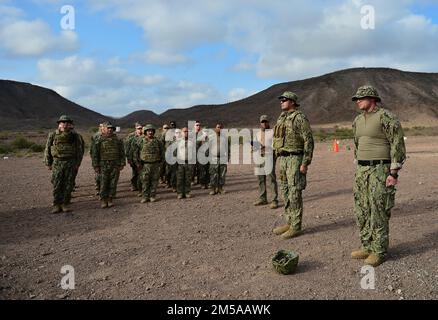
413	96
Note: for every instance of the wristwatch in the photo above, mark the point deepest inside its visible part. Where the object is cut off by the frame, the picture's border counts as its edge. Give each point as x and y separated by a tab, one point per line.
394	175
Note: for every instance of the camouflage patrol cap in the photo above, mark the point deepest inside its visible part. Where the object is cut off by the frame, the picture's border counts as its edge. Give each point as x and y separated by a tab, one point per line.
149	127
107	124
64	118
285	262
366	91
291	96
264	118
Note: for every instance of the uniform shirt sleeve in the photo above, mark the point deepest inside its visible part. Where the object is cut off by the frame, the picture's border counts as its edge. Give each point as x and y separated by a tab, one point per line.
355	139
306	133
395	135
48	158
122	153
95	152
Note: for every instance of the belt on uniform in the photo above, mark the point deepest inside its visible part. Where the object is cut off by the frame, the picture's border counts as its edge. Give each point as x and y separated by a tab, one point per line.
287	154
372	162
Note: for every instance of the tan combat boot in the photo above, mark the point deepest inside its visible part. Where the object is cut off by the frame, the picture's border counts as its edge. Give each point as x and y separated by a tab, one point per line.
282	229
188	195
221	190
291	233
144	200
260	202
65	208
213	191
373	260
103	203
110	202
153	199
56	209
274	205
360	254
180	196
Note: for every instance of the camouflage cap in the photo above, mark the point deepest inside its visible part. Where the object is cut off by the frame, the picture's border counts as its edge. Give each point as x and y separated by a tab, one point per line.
291	96
264	118
107	124
149	127
366	91
285	262
64	118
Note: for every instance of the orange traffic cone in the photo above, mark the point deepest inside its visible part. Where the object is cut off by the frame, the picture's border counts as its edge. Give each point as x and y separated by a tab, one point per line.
335	145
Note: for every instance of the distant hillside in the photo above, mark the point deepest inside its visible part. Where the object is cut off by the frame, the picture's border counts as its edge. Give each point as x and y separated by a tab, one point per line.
23	105
413	96
327	99
142	116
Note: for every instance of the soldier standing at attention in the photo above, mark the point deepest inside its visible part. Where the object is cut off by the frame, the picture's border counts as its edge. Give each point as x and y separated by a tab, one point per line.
108	160
293	143
63	156
162	138
72	129
93	141
219	156
171	137
130	141
264	142
149	155
185	168
380	152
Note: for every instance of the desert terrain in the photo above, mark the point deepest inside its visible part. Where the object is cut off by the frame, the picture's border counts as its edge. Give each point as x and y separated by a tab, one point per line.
214	247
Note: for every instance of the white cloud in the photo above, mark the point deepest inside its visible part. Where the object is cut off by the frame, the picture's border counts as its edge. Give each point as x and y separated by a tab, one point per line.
31	38
303	36
115	91
237	94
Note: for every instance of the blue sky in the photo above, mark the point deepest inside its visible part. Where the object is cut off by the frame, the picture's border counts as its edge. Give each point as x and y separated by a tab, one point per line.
129	55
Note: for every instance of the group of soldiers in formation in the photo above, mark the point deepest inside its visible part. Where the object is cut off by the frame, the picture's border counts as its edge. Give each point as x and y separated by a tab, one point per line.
379	151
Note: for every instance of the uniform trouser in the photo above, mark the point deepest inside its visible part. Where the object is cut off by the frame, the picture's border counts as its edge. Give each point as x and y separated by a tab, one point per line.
196	172
63	173
293	182
150	174
109	177
97	180
217	175
163	171
171	170
135	177
183	178
204	175
373	202
272	178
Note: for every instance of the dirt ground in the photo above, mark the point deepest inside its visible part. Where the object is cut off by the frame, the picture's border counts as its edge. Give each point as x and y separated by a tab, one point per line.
214	247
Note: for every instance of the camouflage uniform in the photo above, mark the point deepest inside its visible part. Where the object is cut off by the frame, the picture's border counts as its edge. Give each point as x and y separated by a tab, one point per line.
219	156
264	141
185	168
64	154
95	137
130	144
148	158
171	169
202	169
109	158
162	138
82	142
293	143
378	137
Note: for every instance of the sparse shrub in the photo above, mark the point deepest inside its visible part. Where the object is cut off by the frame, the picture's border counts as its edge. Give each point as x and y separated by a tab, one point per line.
21	143
5	149
37	147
